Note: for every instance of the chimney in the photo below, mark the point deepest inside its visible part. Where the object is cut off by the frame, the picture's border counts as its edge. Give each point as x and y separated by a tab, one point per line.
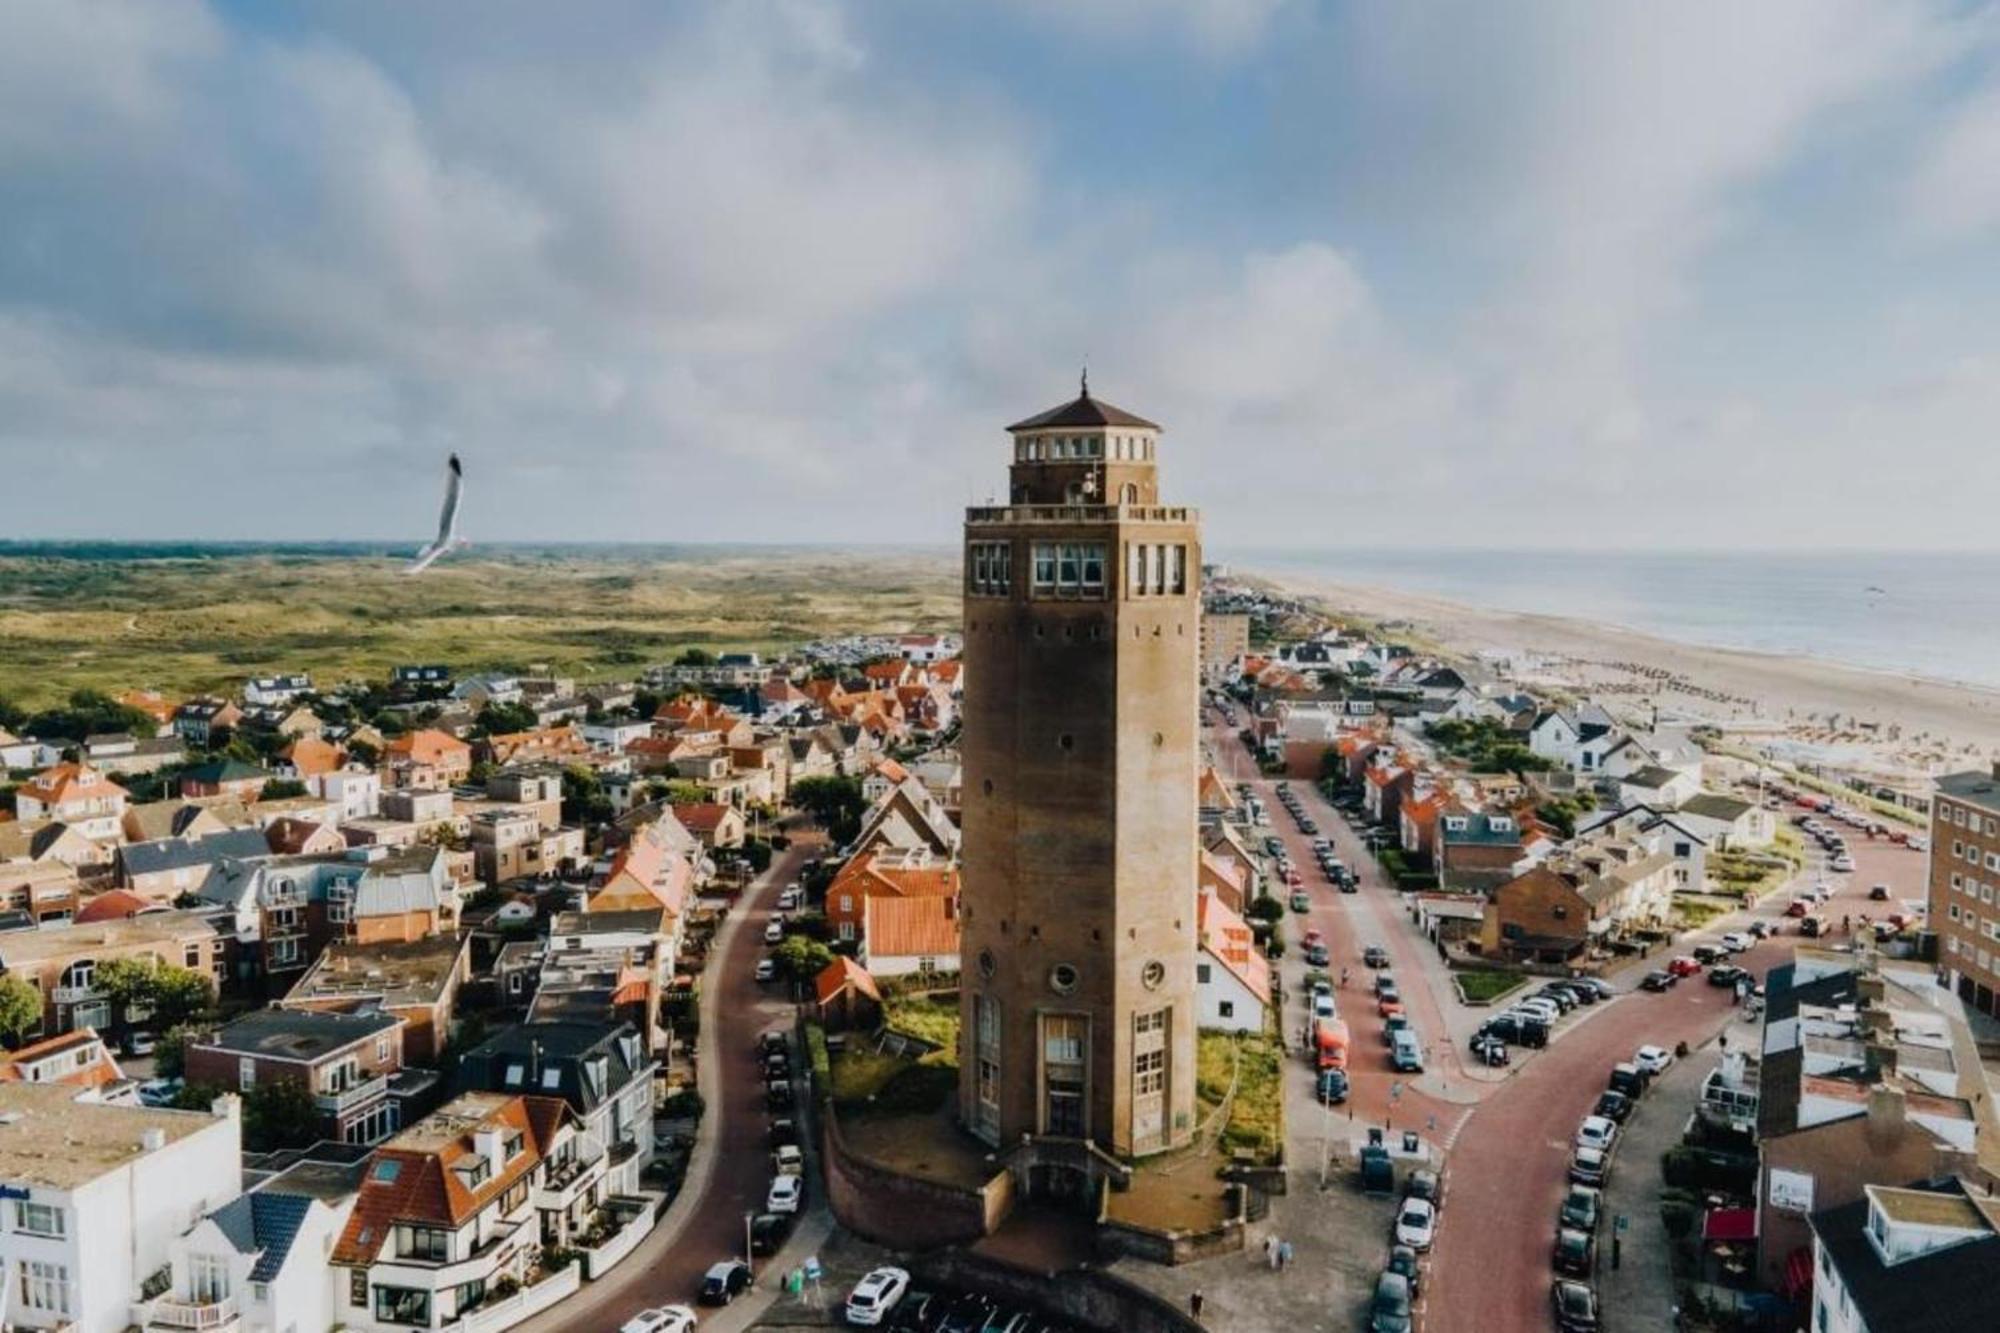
1881	1059
228	1106
1871	989
152	1139
1885	1116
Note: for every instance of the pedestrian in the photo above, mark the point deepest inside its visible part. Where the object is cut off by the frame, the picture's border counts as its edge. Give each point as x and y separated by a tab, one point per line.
1194	1302
1275	1252
1284	1254
1270	1248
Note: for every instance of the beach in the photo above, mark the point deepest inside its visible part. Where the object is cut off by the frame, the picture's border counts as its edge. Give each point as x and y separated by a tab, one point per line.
1896	725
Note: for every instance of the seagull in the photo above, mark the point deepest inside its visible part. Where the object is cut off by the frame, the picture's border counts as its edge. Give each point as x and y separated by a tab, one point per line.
447	538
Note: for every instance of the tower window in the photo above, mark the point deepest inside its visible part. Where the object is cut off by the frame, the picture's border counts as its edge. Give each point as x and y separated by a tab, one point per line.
1069	569
990	565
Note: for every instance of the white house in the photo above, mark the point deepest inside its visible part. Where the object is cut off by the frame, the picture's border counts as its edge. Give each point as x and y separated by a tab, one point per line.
97	1194
1662	830
355	793
1727	823
1661	788
1924	1257
1232	982
915	934
612	735
258	1263
272	691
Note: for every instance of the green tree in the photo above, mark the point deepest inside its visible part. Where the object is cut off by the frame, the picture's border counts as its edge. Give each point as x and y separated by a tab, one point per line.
584	802
361	752
12	715
801	958
499	719
279	1115
20	1008
180	994
128	982
695	657
88	713
1265	908
283	789
836	802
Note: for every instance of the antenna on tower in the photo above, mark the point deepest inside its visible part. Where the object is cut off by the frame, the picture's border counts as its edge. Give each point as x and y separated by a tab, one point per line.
1086	376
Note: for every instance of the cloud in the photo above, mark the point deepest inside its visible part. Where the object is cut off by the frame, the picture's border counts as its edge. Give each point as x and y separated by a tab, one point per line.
1954	192
1217	28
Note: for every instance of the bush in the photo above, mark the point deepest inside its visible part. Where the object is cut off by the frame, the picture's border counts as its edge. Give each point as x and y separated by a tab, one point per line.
1265	908
683	1105
919	1088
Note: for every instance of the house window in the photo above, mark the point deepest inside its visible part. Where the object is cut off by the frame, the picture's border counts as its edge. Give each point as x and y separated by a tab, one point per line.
414	1242
40	1219
286	952
1149	1068
1063	1074
403	1305
357	1287
45	1287
381	1048
1201	973
246	1074
1226	1008
191	956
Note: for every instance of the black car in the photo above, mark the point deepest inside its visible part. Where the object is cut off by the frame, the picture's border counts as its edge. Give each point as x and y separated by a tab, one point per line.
1332	1086
768	1232
783	1132
1582	1207
1726	974
917	1312
1614	1106
1628	1079
1574	1253
1403	1260
1584	994
724	1282
1558	997
1518	1029
1879	894
1574	1306
1489	1051
1658	981
1375	956
1707	954
1384	983
778	1095
768	1042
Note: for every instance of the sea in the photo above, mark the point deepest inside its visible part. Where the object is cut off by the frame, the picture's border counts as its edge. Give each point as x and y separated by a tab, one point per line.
1931	614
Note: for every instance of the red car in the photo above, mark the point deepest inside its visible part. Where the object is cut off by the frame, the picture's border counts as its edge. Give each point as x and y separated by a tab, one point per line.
1684	967
1312	937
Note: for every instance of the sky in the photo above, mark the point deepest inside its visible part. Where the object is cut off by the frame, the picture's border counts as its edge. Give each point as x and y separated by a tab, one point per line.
1591	274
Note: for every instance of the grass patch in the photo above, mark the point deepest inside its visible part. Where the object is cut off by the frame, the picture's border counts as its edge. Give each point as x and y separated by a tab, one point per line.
1694	913
933	1018
1257	1116
1485	985
859	1075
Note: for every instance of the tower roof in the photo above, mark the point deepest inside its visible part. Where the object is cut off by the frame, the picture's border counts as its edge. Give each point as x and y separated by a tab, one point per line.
1083	410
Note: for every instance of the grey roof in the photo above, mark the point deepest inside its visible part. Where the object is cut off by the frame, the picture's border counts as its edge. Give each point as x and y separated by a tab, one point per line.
1714	805
299	1034
1949	1290
149	858
263	1223
225	770
1083	411
551	1057
1479	830
401	882
1979	787
1652	775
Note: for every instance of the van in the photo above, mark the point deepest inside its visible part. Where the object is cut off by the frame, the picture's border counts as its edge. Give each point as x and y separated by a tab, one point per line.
1406	1054
1329	1043
1812	927
1628	1079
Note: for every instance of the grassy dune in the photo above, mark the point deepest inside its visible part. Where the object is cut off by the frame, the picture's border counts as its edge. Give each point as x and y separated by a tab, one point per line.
183	624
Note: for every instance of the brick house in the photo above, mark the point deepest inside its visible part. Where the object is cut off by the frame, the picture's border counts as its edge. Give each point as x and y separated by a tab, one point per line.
61	961
888	874
417	981
224	777
345	1060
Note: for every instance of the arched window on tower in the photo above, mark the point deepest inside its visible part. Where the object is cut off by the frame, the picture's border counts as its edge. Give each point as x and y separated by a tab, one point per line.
1130	495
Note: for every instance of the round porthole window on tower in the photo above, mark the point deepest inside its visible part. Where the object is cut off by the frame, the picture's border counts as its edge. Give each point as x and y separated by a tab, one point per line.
1152	974
986	964
1063	978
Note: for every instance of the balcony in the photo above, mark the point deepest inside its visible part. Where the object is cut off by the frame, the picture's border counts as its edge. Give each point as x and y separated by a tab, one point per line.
1082	514
75	994
360	1094
167	1312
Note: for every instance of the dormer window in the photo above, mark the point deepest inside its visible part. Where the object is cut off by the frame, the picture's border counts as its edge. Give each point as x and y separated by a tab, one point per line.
1500	824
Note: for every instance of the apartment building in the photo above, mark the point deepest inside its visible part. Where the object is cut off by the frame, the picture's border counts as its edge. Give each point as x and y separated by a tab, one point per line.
347	1062
61	961
604	1073
1964	881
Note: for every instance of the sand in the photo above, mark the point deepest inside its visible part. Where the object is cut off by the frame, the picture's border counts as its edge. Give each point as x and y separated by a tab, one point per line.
1887	722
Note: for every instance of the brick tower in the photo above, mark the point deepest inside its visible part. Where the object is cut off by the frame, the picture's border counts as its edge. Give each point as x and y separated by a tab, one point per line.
1082	611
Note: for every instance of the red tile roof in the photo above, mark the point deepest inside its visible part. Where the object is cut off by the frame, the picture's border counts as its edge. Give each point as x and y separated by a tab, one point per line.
840	974
114	905
910	927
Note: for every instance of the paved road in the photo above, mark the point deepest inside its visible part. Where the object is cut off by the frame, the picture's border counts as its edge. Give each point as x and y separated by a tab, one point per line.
706	1222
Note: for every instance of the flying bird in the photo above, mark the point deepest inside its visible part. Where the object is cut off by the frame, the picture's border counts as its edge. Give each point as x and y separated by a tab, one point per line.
447	539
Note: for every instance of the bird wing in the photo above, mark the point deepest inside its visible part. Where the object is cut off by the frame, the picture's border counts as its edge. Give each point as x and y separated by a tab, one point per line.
448	519
425	559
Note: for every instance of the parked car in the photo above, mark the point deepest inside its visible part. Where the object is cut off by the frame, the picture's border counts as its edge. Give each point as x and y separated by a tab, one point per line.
1332	1086
1738	941
1581	1208
1843	863
1684	966
1416	1224
1596	1132
1879	894
1406	1053
784	1131
769	1231
1614	1106
1389	1310
1589	1166
724	1282
787	1159
1404	1263
1300	902
1574	1306
1317	955
767	970
664	1319
876	1294
778	1096
1323	1006
1726	974
774	932
967	1314
1489	1050
1629	1079
785	1194
1575	1252
1557	996
159	1091
1375	956
1658	981
1384	981
1653	1059
1426	1185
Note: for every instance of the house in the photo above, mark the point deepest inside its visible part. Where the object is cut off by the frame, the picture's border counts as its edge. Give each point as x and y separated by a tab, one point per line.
845	996
1225	876
649	873
428	675
926	648
304	837
426	760
42	892
275	691
612	734
99	1192
1552	911
511	843
17	753
1663	830
163	870
457	1205
1232	980
1577	739
1657	786
308	758
1925	1256
122	752
176	818
542	745
259	1261
1726	823
346	1061
153	704
223	777
1384	788
207	723
488	688
46	841
1476	850
61	960
1870	1075
605	968
887	873
78	1059
905	935
717	826
74	794
604	1073
416	981
908	818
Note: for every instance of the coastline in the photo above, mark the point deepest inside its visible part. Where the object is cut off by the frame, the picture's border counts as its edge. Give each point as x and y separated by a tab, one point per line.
1897	723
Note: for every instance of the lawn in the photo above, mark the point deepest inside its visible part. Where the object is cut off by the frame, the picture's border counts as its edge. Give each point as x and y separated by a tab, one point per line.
1485	985
935	1020
1694	913
1256	1121
860	1074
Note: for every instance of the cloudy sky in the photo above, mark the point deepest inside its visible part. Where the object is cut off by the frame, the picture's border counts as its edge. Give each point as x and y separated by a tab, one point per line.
1418	274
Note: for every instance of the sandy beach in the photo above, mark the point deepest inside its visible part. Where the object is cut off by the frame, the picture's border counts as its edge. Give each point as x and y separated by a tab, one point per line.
1890	723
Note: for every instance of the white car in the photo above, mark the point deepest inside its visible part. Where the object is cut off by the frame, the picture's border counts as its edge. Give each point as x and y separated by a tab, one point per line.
1919	843
790	899
787	1160
767	970
1548	1010
1843	863
1652	1059
1737	941
1596	1131
1416	1222
1323	1005
875	1295
666	1319
785	1195
775	932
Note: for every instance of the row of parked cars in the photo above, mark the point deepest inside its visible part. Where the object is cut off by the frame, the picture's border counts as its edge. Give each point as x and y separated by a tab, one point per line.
1572	1298
1401	1280
885	1299
1530	1021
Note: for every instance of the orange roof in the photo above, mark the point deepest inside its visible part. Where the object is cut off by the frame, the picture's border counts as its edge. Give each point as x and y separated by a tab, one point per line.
1228	937
310	756
864	875
69	782
841	973
910	927
891	770
889	671
646	866
411	1178
946	672
428	746
113	905
150	702
102	1069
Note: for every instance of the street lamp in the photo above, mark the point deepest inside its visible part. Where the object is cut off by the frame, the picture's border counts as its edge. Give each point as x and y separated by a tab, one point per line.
749	1260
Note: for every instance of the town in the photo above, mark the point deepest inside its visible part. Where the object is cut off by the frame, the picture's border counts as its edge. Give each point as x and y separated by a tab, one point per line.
1246	966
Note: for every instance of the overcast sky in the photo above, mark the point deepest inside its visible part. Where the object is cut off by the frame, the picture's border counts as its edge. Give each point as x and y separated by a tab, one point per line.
1649	275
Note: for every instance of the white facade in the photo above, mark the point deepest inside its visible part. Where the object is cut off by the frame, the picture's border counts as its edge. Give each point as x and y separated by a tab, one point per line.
76	1249
215	1281
613	737
1222	1001
355	793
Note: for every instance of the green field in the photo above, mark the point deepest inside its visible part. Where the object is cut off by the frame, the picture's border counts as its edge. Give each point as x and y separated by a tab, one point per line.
187	623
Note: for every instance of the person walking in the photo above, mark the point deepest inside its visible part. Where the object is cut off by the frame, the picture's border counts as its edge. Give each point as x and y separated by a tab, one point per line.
1195	1303
1274	1251
1270	1248
1284	1255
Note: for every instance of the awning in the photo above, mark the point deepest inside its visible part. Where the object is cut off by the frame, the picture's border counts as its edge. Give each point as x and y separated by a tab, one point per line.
1730	1224
1797	1279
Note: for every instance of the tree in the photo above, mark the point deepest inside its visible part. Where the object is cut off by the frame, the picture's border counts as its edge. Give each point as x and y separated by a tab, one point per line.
584	802
1265	908
279	1115
180	994
801	958
283	789
20	1008
695	657
835	802
88	713
500	719
677	792
128	982
12	715
361	752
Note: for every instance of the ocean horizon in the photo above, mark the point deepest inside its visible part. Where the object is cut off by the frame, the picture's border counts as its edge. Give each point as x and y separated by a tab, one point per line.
1933	614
